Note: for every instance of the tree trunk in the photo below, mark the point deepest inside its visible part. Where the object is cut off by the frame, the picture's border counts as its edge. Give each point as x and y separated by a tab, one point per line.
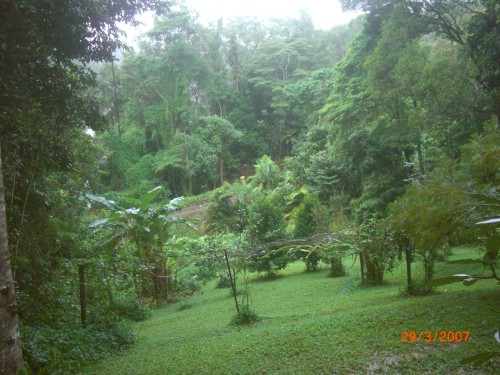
429	265
83	294
420	156
221	170
156	288
115	105
362	268
11	358
408	267
336	267
168	282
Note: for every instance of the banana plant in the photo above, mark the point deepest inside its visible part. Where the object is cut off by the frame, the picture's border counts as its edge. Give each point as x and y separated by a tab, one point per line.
146	225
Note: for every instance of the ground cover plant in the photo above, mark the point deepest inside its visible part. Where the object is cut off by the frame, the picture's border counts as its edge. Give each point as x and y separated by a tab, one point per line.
308	325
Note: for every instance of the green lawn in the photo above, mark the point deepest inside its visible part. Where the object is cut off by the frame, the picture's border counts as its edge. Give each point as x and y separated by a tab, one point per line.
308	327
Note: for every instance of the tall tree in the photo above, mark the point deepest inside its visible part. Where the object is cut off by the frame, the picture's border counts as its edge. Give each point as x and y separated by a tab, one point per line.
472	24
11	359
43	77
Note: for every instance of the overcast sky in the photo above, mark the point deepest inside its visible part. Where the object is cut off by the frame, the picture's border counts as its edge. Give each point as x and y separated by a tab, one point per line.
324	13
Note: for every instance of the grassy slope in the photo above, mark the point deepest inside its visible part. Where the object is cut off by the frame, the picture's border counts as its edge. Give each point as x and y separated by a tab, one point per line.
310	328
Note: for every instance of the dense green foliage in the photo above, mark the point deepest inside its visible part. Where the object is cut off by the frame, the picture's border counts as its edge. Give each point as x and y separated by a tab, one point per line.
198	105
377	140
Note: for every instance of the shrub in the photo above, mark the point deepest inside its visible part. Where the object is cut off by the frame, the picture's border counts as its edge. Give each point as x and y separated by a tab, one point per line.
131	309
332	253
307	222
417	288
225	213
63	350
184	305
245	316
312	262
266	225
223	282
187	286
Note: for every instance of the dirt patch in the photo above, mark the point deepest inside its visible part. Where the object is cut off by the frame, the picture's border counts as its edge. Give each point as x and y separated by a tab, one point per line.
197	210
383	364
389	363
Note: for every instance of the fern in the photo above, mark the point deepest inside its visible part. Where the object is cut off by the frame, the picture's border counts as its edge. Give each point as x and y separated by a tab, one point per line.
349	285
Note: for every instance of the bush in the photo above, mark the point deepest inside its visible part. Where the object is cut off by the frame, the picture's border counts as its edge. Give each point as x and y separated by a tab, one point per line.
245	316
312	262
225	213
131	309
266	224
310	218
188	286
64	350
418	288
223	282
184	306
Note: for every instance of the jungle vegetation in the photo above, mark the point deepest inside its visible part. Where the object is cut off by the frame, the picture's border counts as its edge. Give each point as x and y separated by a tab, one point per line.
376	140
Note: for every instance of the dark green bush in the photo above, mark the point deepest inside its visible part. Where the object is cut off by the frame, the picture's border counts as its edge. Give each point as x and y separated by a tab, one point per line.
223	282
266	224
312	262
65	349
310	218
245	316
131	309
184	306
418	288
378	252
225	213
185	287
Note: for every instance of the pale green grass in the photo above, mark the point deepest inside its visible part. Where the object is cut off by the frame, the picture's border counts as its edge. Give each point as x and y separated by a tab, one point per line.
308	327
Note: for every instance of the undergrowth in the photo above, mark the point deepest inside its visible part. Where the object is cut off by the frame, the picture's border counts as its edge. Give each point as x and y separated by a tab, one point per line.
63	350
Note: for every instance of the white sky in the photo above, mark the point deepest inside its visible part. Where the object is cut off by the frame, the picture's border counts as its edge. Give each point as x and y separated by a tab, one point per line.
324	13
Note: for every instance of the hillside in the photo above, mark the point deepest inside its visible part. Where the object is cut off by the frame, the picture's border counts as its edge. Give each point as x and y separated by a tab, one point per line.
309	327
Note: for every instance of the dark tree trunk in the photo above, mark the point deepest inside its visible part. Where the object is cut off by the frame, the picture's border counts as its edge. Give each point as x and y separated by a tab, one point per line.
336	267
362	267
372	272
429	265
168	282
156	288
83	294
421	166
221	170
408	257
11	356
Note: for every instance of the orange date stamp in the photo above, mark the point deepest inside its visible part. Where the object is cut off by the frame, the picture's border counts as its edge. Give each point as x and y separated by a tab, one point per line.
438	336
